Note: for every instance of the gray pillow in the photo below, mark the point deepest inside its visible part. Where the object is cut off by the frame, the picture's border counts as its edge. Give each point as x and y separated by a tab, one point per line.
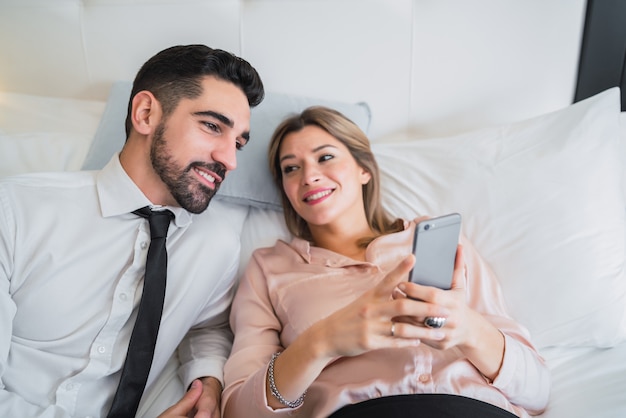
251	183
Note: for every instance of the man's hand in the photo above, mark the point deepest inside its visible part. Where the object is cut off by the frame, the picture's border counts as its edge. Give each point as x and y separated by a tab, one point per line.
183	408
208	406
202	400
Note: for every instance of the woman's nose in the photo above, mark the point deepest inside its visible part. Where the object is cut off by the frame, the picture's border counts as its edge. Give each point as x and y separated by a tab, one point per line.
310	175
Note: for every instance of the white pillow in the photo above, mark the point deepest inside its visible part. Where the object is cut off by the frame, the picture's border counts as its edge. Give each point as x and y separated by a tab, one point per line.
543	202
39	133
251	183
41	151
261	228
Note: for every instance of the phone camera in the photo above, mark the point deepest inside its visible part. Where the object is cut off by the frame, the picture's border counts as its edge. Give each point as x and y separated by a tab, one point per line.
426	227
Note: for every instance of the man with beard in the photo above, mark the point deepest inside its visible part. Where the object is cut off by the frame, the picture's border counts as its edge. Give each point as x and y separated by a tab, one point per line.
73	251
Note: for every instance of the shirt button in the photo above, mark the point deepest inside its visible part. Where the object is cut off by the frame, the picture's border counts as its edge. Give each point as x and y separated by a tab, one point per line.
102	349
69	386
123	296
424	378
143	245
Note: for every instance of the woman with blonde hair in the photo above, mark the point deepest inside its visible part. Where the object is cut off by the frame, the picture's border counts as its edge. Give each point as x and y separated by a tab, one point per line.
328	325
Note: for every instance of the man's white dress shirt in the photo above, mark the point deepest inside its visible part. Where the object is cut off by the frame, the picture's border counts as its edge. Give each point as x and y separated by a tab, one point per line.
72	258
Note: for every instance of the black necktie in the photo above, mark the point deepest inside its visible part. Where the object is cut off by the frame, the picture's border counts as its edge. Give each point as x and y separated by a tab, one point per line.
143	338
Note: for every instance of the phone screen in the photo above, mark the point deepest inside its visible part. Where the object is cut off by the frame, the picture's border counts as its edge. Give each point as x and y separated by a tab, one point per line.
434	246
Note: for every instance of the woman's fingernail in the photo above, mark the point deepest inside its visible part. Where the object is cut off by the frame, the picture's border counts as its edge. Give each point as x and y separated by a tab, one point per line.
397	292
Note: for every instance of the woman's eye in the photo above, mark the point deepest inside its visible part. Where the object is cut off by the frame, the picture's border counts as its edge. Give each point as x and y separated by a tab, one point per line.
288	169
326	157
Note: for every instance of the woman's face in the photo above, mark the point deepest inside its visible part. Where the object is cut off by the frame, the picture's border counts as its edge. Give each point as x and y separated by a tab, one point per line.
321	178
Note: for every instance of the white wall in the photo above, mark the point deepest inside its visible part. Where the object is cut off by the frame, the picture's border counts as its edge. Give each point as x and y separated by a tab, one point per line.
438	66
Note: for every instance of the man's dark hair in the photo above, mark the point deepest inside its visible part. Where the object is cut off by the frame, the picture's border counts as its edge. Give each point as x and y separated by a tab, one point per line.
177	72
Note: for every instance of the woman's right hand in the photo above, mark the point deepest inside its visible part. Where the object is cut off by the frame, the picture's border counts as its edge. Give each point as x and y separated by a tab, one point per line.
367	323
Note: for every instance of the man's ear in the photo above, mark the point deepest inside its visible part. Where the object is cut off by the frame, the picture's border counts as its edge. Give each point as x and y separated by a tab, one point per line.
145	113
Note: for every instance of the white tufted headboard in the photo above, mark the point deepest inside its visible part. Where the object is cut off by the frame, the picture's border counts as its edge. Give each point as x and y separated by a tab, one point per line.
438	66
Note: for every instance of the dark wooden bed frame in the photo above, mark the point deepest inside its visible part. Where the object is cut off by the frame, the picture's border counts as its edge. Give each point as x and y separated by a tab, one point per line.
602	61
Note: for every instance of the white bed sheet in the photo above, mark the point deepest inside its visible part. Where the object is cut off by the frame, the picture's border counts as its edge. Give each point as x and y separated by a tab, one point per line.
587	382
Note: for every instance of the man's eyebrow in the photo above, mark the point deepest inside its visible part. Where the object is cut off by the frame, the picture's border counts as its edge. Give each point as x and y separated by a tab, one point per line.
222	118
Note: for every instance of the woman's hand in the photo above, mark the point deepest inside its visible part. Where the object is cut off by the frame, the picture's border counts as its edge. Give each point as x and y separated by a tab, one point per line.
457	328
369	322
464	328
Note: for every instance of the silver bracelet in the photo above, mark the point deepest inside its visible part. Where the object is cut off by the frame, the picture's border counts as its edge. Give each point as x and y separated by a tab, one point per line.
274	389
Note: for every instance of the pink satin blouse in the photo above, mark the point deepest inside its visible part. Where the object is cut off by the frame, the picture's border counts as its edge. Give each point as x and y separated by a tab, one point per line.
288	287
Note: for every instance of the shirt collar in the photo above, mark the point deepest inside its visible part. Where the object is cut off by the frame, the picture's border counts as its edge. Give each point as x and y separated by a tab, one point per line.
118	194
316	255
378	251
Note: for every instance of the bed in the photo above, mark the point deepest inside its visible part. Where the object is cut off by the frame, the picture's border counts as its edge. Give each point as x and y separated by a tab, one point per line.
521	131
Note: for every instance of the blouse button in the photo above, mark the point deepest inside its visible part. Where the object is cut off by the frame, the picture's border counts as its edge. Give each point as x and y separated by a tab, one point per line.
424	378
143	245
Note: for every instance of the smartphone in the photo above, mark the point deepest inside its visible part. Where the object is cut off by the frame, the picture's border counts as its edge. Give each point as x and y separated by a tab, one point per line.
434	245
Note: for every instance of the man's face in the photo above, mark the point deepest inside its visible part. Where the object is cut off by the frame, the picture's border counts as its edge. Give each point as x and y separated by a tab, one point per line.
194	148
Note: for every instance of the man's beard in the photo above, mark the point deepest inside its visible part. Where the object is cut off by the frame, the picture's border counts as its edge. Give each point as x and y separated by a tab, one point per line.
181	182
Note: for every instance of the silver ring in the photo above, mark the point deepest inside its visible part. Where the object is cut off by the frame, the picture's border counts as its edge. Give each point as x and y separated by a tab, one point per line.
393	329
435	321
